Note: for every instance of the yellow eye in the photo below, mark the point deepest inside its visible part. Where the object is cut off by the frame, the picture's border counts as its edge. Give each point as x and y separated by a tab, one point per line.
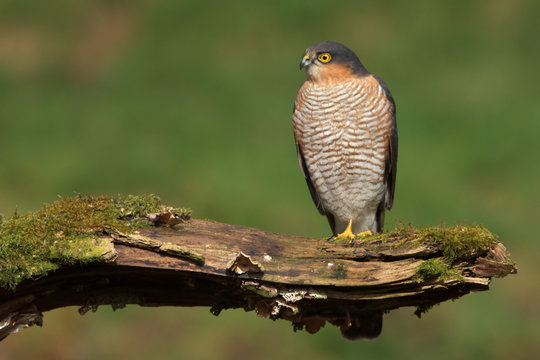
324	57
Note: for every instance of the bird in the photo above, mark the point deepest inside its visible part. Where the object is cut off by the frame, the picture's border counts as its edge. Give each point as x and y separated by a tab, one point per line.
345	129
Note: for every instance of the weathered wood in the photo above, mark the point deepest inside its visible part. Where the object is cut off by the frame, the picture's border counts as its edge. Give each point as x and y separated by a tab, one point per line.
307	281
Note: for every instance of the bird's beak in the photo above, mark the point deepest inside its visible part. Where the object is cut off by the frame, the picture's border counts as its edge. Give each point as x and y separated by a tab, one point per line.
305	62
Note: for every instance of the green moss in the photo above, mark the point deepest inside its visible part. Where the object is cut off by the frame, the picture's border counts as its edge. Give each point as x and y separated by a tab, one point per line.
137	205
133	206
433	269
68	232
456	242
459	242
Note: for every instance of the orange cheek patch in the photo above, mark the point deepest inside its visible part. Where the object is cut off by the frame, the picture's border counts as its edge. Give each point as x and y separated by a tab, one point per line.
333	73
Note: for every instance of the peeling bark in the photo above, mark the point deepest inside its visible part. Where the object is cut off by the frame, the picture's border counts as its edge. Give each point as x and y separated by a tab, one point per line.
306	281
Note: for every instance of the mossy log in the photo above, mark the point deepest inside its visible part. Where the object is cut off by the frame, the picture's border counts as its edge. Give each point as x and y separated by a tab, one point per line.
309	282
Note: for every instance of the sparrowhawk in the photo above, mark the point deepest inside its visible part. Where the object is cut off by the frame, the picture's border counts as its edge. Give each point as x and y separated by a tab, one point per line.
346	138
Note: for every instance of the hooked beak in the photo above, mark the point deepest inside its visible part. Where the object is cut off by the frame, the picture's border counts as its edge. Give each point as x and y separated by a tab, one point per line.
305	62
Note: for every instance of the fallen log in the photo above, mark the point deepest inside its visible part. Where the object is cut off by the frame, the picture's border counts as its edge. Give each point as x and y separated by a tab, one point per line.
169	259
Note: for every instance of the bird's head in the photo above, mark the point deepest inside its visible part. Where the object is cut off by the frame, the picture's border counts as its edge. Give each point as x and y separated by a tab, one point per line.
330	61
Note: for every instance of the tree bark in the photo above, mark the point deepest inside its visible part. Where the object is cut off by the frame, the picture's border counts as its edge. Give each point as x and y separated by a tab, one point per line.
306	281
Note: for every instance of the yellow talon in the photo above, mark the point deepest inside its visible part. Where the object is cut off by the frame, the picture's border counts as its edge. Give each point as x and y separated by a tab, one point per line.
347	234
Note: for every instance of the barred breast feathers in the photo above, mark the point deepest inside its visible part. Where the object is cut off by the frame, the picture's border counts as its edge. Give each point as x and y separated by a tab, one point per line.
343	130
355	111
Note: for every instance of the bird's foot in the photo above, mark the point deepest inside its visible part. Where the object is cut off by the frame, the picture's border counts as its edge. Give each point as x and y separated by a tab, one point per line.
347	234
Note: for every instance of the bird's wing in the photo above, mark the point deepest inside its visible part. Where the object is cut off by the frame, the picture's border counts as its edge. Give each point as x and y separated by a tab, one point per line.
391	160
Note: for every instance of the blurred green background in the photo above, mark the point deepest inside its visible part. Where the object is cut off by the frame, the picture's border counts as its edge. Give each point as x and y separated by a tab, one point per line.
192	100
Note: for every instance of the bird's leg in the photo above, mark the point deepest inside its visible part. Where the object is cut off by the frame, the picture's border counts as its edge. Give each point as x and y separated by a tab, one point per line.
347	234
